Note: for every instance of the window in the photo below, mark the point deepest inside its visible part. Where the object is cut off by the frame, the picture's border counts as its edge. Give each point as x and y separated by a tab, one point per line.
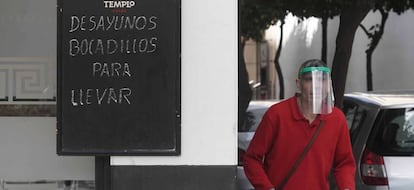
253	118
355	115
396	132
27	86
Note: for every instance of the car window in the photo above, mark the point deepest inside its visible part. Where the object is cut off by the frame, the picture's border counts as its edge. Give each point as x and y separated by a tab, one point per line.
404	129
355	115
396	132
253	118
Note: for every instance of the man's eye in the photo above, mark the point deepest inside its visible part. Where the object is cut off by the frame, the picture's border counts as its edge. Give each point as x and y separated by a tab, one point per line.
307	79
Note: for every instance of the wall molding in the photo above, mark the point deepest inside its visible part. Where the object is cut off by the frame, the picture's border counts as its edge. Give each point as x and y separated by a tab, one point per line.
44	110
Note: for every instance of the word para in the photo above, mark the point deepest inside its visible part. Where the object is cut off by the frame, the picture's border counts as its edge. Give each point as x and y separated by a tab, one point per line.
111	70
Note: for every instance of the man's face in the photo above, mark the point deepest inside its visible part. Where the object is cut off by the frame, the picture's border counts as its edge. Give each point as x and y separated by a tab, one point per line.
304	83
312	85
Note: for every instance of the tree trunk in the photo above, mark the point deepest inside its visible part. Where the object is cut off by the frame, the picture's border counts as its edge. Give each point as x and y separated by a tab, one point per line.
349	21
375	39
244	90
369	70
277	64
324	38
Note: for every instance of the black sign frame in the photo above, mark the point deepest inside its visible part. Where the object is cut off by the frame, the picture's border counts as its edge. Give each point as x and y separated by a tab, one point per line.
119	77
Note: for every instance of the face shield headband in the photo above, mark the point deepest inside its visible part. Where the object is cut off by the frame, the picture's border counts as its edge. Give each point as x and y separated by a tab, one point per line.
310	69
318	89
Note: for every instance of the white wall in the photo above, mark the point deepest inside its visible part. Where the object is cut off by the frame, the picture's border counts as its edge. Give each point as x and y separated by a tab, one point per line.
209	87
28	28
28	152
392	60
28	144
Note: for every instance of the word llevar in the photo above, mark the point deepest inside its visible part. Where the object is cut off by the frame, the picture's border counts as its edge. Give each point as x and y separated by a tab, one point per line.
83	97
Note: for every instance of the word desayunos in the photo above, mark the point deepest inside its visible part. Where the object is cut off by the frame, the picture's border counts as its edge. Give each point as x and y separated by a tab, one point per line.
114	23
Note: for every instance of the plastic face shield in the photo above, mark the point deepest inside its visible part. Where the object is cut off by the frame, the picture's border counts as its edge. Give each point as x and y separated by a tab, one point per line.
317	89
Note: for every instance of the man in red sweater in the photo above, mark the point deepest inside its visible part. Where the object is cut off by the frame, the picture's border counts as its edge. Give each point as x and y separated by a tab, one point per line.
286	129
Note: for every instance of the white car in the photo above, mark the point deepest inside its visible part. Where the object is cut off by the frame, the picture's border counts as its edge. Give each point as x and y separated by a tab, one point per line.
382	135
255	113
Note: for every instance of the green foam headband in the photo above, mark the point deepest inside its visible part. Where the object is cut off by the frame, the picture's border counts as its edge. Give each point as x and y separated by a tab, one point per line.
310	69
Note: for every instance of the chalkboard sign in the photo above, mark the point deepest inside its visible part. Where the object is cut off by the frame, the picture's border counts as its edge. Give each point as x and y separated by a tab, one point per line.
119	77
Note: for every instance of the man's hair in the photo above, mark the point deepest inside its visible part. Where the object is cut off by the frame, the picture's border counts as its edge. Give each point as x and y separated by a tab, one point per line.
311	63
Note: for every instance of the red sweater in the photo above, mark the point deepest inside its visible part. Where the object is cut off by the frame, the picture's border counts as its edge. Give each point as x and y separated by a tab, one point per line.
281	137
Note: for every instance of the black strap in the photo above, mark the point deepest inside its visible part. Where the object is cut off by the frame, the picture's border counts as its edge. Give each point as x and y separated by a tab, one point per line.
302	155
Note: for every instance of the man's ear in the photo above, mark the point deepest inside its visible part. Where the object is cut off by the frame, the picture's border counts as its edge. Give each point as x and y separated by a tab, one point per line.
298	86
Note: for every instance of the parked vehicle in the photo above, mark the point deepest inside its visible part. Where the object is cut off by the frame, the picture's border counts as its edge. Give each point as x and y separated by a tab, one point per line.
254	113
382	135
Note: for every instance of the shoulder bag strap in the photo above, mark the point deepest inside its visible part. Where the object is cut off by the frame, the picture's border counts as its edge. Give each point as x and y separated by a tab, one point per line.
302	155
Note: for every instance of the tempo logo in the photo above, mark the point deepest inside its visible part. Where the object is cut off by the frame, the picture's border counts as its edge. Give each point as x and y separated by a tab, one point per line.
119	4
